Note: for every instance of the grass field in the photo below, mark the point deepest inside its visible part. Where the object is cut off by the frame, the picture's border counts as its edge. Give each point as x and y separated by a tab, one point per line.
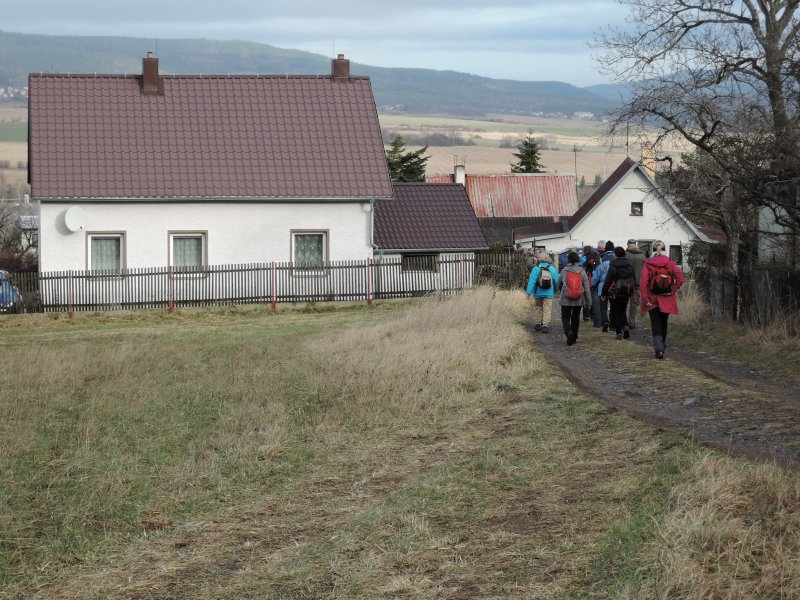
419	449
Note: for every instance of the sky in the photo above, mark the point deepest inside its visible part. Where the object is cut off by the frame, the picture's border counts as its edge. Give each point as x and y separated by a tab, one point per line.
533	40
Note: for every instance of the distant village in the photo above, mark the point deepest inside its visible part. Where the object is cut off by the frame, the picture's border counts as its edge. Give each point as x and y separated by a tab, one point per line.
14	93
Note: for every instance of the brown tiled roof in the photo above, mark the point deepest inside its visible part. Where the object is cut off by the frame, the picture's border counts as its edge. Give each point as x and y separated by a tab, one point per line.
427	216
205	137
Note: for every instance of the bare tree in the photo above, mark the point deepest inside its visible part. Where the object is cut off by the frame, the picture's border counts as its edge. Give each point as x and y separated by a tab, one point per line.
724	75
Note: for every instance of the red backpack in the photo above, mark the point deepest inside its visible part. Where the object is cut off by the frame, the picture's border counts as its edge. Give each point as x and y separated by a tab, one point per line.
661	280
574	285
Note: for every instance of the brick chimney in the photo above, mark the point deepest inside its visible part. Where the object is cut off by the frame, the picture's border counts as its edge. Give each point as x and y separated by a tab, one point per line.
150	79
340	68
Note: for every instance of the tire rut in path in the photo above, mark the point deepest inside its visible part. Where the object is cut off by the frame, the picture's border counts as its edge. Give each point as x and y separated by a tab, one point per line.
727	405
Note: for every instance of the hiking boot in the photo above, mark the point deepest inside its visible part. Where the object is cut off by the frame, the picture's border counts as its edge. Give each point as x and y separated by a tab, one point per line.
605	327
545	329
659	355
626	332
619	335
537	327
570	341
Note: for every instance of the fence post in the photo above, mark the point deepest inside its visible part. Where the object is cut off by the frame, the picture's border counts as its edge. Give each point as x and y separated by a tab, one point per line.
70	309
274	297
171	306
369	281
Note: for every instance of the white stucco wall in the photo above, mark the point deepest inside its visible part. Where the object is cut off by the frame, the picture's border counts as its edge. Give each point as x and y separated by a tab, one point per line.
236	232
612	220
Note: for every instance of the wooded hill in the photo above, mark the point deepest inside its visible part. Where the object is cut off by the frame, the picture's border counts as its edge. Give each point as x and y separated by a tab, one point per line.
418	91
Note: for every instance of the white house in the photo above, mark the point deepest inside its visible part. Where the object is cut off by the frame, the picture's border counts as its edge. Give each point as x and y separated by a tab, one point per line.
151	170
628	205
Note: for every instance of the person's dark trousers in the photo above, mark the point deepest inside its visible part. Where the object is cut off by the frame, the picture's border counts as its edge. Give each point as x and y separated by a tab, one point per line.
603	311
571	320
619	312
598	318
658	323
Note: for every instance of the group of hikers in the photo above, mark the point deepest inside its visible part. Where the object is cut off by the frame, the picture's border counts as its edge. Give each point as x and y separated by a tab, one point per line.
608	284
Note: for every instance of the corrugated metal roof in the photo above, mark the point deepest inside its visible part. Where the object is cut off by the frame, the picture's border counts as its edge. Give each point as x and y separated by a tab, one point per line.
535	195
205	137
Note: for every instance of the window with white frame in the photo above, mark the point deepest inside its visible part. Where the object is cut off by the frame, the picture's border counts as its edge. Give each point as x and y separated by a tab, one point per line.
106	251
188	250
309	249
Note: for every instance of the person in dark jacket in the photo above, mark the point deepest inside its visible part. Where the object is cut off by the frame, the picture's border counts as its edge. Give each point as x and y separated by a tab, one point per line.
571	307
636	256
589	261
618	288
600	305
659	305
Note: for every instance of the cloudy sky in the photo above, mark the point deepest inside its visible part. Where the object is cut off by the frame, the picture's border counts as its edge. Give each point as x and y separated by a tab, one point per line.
516	39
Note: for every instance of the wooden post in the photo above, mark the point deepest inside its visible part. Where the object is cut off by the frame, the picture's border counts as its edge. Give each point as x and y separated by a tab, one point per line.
369	282
171	306
274	297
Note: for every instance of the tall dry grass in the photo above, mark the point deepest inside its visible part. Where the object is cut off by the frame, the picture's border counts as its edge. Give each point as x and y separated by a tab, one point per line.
692	307
408	365
733	531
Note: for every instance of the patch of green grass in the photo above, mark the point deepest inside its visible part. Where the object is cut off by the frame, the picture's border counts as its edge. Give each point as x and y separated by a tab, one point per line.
13	132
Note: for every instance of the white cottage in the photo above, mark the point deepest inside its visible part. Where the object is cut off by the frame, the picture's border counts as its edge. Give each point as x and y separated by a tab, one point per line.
628	205
184	171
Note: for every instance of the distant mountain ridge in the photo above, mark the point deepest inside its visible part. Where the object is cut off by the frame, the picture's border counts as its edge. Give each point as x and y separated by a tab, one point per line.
418	91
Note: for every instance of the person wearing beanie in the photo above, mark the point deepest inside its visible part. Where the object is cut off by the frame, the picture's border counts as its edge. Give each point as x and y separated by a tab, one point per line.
542	287
659	282
609	246
575	293
618	288
589	261
636	258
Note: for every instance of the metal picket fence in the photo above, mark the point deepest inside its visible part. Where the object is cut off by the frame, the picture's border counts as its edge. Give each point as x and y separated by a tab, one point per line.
263	283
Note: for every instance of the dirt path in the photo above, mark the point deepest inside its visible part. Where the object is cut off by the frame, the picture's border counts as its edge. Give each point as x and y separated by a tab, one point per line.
724	404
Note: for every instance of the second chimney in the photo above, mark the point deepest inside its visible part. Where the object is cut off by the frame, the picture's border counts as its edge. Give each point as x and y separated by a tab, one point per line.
340	68
150	74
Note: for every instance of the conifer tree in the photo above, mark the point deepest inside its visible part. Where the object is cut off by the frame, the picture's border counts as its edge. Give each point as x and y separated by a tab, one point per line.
529	155
406	166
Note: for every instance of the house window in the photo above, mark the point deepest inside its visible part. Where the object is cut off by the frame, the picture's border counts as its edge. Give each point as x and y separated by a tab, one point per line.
188	251
676	254
309	249
106	252
637	209
419	262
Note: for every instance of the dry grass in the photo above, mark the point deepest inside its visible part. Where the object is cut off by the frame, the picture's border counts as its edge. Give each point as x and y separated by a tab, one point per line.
733	532
773	347
422	449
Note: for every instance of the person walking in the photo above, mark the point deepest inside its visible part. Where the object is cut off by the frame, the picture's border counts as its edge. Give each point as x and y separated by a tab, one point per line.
598	279
575	294
659	283
542	285
636	258
618	289
589	261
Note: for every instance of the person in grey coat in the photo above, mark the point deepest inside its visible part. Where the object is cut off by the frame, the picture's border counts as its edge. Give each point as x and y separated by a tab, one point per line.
575	294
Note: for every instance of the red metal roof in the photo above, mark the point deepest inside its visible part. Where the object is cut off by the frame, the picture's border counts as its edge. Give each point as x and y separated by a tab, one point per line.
427	216
205	136
519	195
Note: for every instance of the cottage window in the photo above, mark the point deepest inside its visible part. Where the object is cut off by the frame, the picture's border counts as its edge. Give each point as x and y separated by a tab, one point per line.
676	254
420	262
106	252
188	251
637	209
309	249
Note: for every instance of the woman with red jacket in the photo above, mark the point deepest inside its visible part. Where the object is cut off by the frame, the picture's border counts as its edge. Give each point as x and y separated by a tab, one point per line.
659	283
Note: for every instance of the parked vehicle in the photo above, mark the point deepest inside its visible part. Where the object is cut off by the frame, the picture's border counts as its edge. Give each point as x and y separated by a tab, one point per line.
10	296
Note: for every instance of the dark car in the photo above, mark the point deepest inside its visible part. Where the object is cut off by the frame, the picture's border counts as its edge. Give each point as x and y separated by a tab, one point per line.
10	296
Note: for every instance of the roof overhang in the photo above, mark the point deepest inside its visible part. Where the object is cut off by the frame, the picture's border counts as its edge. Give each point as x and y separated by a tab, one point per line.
204	199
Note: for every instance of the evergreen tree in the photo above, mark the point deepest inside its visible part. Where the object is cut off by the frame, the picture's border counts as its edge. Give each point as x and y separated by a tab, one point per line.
406	166
582	183
598	181
529	155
